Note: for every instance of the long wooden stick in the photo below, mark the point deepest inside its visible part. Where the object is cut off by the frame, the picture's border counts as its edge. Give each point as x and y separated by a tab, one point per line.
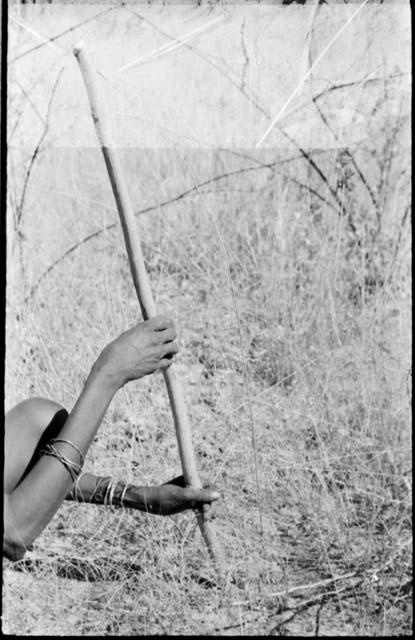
145	298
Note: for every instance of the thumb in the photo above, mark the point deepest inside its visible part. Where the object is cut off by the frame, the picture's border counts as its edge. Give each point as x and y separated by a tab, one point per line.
206	495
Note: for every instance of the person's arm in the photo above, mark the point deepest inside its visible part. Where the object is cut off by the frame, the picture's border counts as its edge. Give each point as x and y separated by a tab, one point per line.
164	500
31	505
29	508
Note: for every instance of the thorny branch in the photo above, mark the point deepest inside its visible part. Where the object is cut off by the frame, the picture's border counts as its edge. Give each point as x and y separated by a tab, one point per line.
165	203
30	89
248	95
31	103
246	57
347	150
235	82
43	135
350	156
59	35
304	605
287	608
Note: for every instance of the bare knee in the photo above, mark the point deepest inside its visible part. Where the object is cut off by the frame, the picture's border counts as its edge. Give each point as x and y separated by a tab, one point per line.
25	424
34	413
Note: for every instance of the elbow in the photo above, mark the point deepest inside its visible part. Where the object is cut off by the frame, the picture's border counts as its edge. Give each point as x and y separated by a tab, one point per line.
15	542
13	549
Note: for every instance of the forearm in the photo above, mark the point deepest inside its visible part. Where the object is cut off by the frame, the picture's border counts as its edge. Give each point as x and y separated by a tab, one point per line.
166	499
33	503
104	490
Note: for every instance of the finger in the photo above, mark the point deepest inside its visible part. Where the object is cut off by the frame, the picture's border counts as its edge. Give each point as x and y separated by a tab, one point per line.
178	482
160	323
167	352
165	363
207	484
210	495
170	348
167	335
202	496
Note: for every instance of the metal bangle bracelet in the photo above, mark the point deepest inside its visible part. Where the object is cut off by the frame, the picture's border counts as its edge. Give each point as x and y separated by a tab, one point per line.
81	455
72	468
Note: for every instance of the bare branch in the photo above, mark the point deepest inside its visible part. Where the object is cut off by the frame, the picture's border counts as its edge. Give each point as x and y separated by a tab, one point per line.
248	95
35	153
347	151
161	205
59	35
246	57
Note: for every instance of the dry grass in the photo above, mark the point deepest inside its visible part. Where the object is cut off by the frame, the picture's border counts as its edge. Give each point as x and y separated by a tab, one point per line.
323	299
328	381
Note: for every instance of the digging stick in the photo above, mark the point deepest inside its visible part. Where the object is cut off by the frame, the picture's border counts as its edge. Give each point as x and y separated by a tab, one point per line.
146	301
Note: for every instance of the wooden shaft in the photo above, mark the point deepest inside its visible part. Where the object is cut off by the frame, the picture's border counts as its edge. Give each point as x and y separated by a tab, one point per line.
145	297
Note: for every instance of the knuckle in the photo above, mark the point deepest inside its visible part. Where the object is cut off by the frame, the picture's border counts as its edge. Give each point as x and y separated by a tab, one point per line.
188	493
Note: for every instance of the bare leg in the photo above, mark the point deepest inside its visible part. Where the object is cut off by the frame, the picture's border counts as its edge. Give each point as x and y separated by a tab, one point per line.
25	425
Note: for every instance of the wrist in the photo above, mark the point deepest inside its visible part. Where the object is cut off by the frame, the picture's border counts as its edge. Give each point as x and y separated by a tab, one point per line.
103	370
141	499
